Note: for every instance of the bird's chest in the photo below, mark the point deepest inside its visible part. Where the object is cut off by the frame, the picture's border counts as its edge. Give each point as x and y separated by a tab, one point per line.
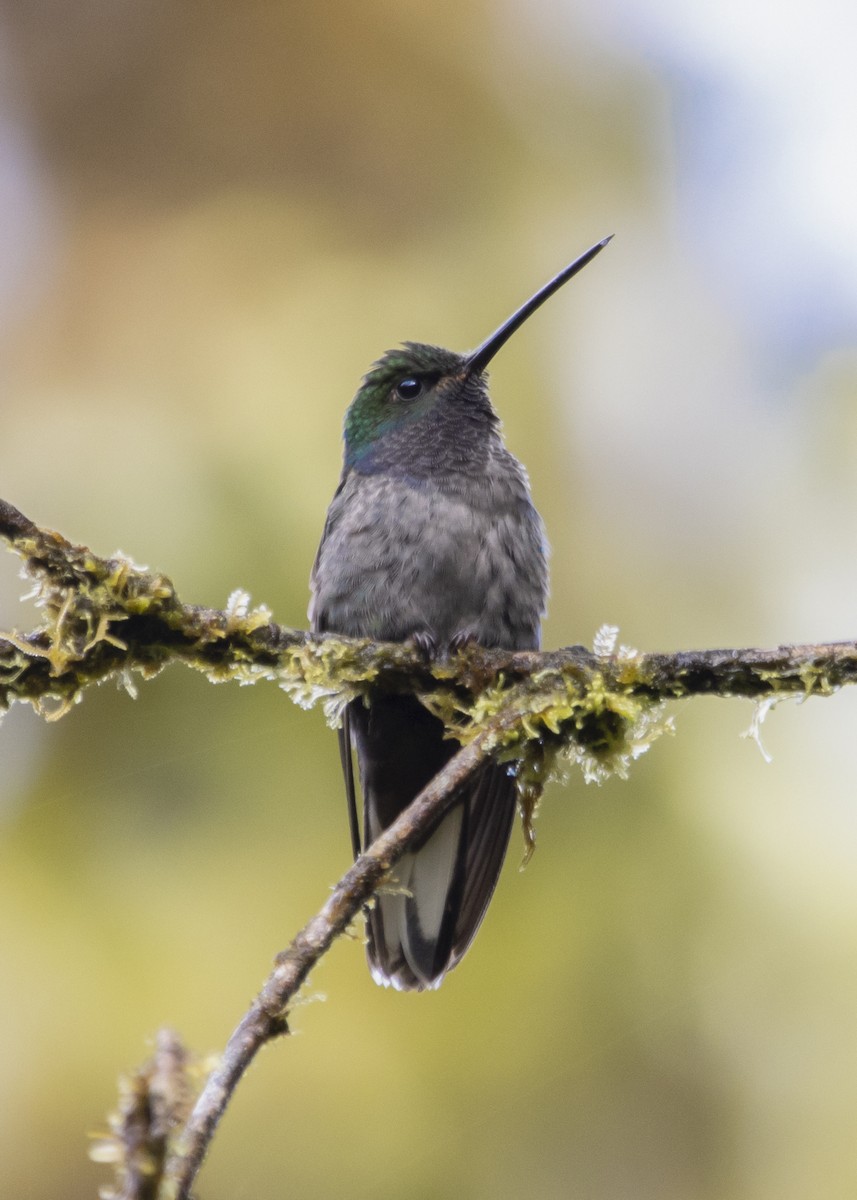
422	540
406	558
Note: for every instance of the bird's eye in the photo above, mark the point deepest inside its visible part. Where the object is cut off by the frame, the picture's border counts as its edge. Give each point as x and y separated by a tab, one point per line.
409	389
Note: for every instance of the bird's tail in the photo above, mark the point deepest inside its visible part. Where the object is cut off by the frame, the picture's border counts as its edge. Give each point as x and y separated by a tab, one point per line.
423	922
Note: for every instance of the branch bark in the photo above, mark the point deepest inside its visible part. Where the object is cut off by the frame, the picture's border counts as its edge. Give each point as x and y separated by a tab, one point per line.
106	617
267	1016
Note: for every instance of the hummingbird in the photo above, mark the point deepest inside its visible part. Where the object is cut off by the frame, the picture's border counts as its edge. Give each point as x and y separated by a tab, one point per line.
432	537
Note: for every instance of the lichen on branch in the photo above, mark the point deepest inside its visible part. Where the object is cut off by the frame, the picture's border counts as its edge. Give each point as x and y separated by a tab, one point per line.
104	618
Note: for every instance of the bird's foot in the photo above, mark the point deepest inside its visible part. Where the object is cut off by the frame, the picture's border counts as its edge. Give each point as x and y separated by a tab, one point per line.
425	643
461	640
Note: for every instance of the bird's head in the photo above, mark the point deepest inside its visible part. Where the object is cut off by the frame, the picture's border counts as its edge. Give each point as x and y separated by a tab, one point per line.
417	391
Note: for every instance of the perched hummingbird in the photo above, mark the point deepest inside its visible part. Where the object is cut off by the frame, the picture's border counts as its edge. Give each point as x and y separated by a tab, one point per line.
431	536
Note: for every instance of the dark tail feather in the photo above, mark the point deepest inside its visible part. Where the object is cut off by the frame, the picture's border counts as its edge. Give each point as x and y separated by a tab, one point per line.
348	774
420	931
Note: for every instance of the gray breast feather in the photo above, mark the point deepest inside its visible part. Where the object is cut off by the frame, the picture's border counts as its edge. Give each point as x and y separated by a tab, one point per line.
406	556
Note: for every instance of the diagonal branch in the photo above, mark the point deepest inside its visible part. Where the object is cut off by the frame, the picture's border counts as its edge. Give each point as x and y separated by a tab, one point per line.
267	1016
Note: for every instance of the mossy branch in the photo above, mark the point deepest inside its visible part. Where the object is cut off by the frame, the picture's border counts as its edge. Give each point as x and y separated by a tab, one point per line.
107	618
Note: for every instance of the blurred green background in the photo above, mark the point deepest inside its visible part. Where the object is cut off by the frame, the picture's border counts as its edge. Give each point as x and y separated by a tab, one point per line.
212	219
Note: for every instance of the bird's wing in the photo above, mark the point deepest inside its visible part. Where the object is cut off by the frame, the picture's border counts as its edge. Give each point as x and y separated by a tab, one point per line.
330	521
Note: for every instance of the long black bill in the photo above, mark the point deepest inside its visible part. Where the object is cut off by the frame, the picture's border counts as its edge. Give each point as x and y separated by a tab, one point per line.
479	359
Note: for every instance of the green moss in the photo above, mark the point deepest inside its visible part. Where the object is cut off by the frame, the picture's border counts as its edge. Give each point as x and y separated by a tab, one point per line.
600	709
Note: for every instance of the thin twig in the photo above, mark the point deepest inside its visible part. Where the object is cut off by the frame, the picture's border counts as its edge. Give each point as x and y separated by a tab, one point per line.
267	1015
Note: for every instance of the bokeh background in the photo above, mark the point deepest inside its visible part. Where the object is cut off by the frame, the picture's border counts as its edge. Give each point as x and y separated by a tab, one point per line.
212	219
